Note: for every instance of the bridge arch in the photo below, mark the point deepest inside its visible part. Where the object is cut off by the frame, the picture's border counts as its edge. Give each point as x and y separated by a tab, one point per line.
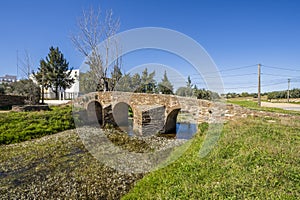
95	112
171	120
123	114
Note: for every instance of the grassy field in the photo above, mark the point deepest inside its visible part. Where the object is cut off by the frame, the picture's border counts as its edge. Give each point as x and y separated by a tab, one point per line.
255	158
22	126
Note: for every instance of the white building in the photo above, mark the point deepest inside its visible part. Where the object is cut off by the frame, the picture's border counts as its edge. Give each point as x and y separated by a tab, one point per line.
73	91
69	93
8	79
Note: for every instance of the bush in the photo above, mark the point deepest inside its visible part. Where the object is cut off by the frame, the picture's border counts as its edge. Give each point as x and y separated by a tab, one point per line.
26	88
2	89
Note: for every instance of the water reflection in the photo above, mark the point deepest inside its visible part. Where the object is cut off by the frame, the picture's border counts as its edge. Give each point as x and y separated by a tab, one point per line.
184	130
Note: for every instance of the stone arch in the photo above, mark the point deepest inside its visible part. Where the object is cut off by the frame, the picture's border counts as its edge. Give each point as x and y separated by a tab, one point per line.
95	112
123	114
171	120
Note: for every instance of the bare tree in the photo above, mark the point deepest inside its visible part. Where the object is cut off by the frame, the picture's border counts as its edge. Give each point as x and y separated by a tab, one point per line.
94	29
26	65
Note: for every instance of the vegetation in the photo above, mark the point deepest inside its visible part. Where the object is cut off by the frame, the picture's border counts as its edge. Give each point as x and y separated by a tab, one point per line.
243	94
191	90
21	126
294	93
136	83
186	91
206	94
58	167
27	88
54	72
94	28
2	89
165	86
254	158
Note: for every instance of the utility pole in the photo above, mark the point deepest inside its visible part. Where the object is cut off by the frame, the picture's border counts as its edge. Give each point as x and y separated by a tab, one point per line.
288	91
259	87
17	64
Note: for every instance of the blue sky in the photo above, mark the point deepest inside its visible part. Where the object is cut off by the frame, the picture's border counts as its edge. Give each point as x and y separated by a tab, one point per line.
234	33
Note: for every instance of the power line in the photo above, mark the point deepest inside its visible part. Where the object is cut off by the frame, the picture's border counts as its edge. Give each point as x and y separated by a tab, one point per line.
237	68
222	76
280	75
281	68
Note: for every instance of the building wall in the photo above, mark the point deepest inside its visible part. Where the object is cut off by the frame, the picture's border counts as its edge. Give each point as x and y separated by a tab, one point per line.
69	93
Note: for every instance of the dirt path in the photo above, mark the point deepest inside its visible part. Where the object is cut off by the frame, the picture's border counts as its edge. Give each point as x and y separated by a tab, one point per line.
4	111
285	106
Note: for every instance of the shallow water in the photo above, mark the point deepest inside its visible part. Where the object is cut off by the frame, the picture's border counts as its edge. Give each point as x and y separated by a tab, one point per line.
184	130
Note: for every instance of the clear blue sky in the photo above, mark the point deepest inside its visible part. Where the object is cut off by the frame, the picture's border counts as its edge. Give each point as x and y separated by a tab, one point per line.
234	33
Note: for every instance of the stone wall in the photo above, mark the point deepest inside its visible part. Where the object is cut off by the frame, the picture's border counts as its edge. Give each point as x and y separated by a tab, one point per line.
10	100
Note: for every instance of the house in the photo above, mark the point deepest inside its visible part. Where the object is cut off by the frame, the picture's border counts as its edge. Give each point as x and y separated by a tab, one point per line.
69	93
8	79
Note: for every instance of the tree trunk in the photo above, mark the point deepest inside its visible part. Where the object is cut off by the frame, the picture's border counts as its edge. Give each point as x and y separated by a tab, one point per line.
56	93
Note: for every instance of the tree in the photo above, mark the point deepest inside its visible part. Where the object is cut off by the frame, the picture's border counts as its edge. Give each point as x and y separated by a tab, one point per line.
186	91
41	78
116	75
87	82
54	72
136	82
2	89
148	84
28	88
165	86
92	31
26	65
206	94
189	83
124	84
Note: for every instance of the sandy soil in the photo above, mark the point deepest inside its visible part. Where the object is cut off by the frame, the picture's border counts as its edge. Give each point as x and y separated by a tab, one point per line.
286	106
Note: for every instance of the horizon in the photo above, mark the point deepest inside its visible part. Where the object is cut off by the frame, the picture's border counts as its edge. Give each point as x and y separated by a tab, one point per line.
237	36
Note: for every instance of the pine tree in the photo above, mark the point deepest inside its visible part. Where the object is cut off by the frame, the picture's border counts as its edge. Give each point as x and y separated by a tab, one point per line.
136	83
54	72
165	86
116	75
148	84
124	84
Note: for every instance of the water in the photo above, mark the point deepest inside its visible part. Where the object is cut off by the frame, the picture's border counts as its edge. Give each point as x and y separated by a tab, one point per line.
184	130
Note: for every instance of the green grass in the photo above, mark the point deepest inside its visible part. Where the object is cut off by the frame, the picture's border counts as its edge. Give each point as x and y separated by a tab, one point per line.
256	158
21	126
254	106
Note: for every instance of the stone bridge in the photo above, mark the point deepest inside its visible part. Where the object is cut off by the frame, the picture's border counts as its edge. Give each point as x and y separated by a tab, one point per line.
152	113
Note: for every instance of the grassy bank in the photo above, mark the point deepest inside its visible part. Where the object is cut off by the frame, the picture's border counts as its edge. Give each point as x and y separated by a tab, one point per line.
254	158
22	126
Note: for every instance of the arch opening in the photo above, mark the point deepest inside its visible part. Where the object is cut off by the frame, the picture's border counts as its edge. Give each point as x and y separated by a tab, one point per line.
123	116
94	112
171	121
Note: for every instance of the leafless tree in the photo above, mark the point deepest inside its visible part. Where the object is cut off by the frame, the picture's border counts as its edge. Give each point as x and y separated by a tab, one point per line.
26	65
95	28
